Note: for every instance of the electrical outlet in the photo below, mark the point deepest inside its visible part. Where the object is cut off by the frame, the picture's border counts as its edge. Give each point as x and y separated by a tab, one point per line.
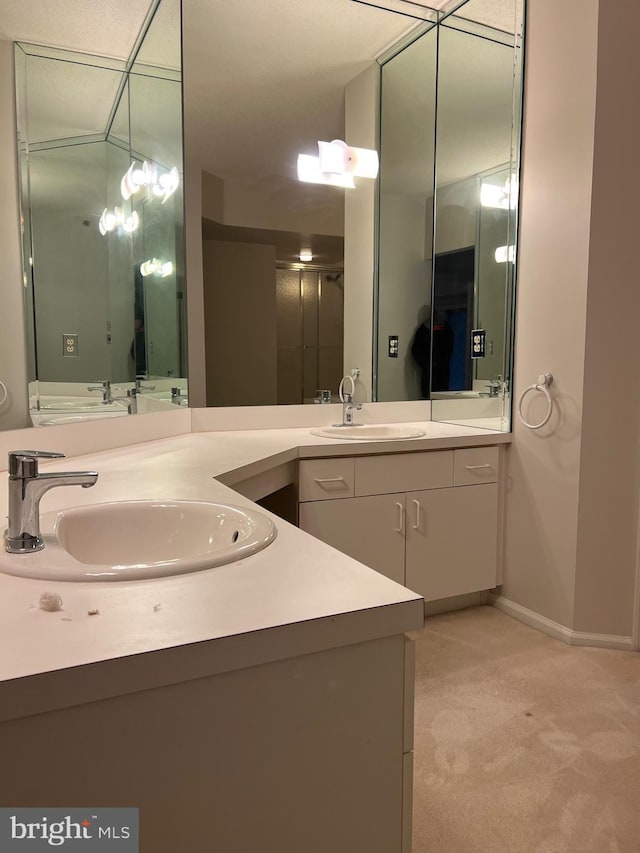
478	342
393	346
70	346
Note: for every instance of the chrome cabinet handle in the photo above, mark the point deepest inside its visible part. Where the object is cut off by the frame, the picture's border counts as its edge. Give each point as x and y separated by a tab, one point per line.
476	467
416	504
328	480
400	517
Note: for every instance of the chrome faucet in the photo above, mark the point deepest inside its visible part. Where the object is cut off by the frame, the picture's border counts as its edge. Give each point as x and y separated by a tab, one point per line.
177	396
348	407
131	401
26	487
105	387
140	378
323	395
495	386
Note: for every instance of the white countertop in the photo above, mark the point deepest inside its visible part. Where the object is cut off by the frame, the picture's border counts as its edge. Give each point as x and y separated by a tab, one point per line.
298	590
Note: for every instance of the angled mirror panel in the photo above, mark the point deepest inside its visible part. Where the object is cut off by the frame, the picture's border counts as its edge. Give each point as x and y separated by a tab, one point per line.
407	144
459	352
84	240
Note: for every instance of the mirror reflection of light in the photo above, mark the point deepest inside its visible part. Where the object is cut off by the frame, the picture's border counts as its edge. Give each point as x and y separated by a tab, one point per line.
167	184
161	185
110	220
504	196
156	267
505	253
131	223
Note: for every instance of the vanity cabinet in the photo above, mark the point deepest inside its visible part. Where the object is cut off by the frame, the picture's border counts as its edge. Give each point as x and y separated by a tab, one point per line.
427	520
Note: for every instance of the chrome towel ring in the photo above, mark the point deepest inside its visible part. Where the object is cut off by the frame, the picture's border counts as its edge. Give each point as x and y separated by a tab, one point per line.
543	383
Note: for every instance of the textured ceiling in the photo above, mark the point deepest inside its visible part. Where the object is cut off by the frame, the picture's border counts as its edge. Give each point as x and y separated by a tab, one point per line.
103	27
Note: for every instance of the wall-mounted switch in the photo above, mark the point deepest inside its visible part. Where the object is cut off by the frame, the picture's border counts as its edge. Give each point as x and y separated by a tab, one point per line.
478	343
70	346
393	346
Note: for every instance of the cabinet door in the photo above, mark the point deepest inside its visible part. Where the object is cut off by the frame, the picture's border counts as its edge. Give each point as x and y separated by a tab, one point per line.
369	529
452	540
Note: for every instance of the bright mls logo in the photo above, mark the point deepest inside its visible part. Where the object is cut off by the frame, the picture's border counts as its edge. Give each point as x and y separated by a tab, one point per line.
78	830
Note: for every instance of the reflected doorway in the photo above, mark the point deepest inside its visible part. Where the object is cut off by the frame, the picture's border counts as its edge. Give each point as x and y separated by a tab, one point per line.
453	286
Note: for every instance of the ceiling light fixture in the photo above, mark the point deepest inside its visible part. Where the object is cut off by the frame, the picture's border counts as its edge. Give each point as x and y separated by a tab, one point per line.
306	255
337	164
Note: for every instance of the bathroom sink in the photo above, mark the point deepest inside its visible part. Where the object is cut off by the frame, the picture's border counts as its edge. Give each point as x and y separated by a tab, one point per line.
75	404
370	432
133	540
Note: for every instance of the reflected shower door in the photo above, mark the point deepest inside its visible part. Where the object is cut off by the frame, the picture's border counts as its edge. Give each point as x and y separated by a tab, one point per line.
310	314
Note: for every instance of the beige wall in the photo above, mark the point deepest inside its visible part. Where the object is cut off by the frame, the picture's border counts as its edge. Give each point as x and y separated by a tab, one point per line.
212	197
611	403
544	466
572	501
240	323
14	412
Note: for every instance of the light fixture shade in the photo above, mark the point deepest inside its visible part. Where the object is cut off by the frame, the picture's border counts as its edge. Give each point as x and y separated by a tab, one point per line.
505	253
309	172
156	267
504	197
306	255
365	162
339	158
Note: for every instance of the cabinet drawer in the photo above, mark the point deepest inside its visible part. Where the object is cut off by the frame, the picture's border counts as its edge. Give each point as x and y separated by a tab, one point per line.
403	472
326	479
474	465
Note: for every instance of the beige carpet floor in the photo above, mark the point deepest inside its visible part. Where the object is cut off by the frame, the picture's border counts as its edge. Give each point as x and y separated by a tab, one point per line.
523	744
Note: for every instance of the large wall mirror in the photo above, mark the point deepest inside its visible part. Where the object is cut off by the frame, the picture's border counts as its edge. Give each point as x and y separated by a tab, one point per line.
430	245
100	144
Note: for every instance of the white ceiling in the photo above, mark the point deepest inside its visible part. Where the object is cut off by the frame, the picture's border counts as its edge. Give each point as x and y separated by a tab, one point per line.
103	27
264	81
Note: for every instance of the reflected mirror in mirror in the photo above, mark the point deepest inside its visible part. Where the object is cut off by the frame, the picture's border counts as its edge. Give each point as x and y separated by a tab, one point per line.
101	190
447	216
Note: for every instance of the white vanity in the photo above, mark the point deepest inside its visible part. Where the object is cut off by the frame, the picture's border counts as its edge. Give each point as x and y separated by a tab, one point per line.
428	520
265	704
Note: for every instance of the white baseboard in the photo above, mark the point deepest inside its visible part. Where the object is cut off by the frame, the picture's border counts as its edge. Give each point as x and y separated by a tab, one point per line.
560	632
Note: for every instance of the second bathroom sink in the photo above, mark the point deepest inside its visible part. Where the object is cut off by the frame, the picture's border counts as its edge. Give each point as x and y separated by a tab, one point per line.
370	432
